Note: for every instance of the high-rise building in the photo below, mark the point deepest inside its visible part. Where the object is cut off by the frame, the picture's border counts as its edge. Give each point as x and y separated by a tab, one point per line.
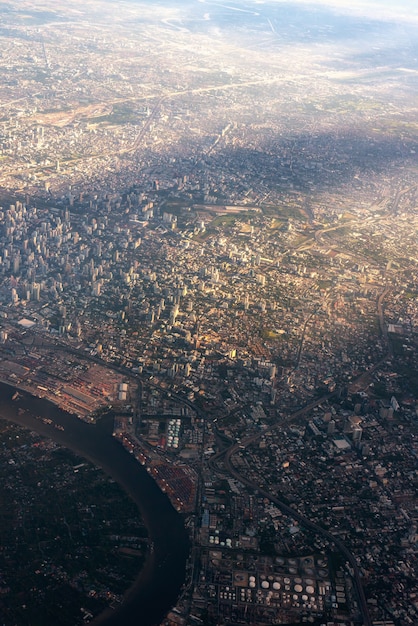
15	297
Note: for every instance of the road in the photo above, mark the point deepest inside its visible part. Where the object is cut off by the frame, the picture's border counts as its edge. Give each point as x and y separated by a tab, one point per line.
382	324
228	455
307	523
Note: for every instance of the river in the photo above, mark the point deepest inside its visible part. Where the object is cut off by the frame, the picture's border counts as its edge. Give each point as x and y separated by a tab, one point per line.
158	584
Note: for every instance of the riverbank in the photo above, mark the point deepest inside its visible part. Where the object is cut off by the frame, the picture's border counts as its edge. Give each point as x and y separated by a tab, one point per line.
159	582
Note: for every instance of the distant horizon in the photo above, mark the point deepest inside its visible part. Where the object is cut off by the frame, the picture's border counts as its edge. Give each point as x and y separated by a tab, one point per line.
370	8
381	10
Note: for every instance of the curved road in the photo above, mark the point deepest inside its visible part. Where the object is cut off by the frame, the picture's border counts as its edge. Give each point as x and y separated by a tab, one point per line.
312	526
232	450
228	454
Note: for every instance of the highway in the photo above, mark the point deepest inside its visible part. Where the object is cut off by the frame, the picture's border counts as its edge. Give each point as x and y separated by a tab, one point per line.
307	523
382	324
229	453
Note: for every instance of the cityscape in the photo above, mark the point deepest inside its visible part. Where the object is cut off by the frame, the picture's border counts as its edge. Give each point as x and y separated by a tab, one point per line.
209	261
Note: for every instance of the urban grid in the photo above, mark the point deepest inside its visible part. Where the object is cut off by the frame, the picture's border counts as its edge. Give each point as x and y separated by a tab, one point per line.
208	230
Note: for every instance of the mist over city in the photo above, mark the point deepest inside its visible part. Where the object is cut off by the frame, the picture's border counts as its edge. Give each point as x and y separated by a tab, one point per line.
208	312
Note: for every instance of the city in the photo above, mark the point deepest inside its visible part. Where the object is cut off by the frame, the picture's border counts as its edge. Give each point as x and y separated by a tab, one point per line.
208	232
